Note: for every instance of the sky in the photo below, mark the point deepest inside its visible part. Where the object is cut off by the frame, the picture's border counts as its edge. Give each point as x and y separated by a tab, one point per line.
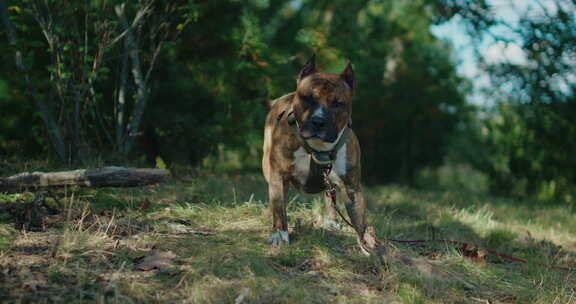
455	32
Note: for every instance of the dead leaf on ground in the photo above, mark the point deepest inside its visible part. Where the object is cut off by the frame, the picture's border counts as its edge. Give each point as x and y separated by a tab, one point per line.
474	253
161	260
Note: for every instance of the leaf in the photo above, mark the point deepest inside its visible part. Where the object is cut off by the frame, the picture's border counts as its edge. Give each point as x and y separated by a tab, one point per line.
68	45
161	260
160	163
14	8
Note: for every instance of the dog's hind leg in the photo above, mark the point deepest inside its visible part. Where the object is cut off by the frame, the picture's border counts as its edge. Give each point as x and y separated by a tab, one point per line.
277	189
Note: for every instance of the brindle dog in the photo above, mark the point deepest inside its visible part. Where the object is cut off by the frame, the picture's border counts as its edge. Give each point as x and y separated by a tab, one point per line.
306	131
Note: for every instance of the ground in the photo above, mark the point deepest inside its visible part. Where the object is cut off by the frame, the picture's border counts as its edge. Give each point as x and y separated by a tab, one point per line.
201	239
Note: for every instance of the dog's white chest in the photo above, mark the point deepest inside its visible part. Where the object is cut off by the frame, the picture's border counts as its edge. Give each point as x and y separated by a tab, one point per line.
302	165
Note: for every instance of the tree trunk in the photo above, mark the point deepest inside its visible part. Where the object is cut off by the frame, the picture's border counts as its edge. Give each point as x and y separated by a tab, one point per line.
120	110
98	177
76	146
141	89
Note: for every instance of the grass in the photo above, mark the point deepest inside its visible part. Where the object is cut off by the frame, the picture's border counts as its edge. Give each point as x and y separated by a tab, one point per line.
88	249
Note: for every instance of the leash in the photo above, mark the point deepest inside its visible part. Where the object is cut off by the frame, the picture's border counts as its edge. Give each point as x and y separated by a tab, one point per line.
464	245
325	159
331	193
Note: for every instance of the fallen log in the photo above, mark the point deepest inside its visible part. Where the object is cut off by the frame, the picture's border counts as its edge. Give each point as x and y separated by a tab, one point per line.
97	177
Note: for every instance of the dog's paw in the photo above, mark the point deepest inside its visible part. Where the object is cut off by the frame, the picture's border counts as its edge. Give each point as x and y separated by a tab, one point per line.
364	249
368	243
279	238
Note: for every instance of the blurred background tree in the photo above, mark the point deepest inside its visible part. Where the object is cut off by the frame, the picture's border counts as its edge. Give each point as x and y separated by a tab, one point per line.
526	137
187	81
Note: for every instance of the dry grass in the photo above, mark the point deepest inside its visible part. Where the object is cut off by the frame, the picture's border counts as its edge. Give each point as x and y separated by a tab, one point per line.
87	250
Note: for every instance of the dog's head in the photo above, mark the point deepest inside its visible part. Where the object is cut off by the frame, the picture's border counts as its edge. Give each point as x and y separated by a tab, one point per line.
323	104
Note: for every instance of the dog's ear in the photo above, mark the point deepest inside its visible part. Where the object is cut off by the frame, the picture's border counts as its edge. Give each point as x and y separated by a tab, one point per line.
308	69
348	76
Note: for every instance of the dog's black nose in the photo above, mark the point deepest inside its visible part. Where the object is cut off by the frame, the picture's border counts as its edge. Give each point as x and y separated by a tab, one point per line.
317	122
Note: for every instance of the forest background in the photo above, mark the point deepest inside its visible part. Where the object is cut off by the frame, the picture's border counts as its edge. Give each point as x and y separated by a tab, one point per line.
185	83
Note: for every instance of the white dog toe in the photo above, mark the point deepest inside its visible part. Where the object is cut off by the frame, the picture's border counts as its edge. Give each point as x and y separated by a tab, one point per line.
279	238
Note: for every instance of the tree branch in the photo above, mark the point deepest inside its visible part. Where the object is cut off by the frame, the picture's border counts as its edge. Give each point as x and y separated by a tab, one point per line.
98	177
128	28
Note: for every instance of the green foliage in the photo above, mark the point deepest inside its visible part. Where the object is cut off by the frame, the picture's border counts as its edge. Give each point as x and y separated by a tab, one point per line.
524	143
526	152
21	132
408	104
216	82
251	53
208	90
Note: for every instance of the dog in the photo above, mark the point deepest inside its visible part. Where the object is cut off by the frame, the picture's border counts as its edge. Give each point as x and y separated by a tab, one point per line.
308	131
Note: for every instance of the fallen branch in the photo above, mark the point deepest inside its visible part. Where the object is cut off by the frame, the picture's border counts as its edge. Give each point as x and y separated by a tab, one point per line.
97	177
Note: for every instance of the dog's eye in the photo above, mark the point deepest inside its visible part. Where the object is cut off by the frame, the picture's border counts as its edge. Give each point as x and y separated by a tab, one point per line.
337	104
308	99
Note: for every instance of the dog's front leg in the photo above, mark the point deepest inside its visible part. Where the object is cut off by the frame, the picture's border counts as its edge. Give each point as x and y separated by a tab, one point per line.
357	212
277	189
329	219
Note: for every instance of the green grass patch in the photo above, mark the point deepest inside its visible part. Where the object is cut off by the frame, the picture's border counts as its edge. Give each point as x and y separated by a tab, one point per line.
217	225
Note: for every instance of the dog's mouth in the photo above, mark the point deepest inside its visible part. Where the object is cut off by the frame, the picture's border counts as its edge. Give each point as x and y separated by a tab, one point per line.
320	136
319	130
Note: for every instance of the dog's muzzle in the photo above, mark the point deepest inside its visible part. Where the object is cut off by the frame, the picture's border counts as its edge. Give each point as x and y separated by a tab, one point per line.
308	132
318	128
